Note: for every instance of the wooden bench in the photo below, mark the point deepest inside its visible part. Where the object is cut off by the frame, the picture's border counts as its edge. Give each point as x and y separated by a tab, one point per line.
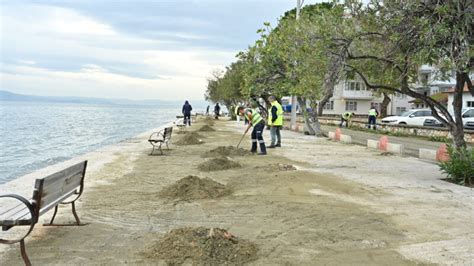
157	139
180	124
63	187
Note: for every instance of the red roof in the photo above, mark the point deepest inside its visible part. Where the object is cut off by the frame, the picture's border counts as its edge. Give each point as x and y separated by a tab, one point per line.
466	89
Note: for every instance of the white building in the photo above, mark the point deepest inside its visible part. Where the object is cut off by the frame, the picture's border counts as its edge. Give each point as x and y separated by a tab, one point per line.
353	96
467	99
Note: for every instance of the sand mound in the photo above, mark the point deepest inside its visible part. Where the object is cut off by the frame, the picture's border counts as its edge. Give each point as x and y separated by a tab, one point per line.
226	151
285	167
206	128
202	246
193	188
280	167
217	164
190	138
209	121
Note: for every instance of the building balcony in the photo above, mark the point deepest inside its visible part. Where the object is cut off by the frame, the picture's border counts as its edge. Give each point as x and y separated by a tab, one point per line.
357	95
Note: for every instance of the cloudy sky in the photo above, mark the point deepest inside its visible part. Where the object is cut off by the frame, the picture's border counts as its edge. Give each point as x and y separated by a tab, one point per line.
141	49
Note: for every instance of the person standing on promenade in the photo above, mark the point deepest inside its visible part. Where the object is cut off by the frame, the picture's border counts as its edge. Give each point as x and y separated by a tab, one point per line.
217	110
207	110
258	124
187	108
346	117
373	113
275	121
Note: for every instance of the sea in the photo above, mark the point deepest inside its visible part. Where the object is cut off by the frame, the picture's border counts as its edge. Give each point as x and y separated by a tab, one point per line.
34	135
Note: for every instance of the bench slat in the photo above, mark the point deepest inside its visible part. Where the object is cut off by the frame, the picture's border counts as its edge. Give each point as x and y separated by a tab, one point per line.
46	206
18	213
70	171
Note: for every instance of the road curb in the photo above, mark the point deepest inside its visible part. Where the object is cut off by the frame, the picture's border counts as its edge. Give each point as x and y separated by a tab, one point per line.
427	154
384	145
347	139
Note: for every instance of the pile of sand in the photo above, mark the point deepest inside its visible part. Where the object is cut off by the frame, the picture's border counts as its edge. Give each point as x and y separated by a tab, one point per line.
280	167
190	138
217	164
226	151
206	128
202	246
286	167
209	121
193	188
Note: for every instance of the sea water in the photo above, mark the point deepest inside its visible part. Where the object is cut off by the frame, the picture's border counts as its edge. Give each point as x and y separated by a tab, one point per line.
34	135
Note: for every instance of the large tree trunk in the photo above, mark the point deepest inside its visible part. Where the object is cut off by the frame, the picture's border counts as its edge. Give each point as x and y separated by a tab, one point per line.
323	102
385	102
457	128
330	80
311	122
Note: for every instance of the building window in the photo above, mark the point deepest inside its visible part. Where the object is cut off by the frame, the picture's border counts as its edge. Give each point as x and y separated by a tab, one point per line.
470	103
329	105
400	110
355	86
351	106
424	78
399	95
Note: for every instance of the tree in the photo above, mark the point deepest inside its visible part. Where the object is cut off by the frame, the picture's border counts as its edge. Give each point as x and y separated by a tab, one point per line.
390	40
291	60
225	87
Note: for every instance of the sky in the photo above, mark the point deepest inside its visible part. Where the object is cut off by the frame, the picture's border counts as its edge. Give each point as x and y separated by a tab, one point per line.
140	49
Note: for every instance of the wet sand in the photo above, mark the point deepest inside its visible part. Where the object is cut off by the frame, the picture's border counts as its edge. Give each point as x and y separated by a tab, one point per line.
343	205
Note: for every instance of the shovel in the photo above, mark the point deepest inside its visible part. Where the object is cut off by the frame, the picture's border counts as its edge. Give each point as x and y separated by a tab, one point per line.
245	133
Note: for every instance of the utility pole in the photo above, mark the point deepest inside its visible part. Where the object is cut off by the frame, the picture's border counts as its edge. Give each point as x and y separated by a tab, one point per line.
299	3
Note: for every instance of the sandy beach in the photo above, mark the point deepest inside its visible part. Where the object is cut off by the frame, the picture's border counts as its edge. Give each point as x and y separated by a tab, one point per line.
337	206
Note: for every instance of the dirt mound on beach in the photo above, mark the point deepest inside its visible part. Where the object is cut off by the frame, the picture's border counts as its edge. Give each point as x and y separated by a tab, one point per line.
202	246
190	138
217	164
206	128
280	167
226	151
193	188
209	121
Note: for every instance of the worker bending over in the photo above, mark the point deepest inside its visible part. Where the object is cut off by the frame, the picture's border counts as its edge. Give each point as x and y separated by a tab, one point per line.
256	121
346	117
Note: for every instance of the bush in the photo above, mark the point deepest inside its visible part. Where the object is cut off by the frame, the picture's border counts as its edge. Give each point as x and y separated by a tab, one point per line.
460	167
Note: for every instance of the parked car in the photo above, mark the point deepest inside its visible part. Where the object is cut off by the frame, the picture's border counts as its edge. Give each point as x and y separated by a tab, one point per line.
432	123
415	117
467	118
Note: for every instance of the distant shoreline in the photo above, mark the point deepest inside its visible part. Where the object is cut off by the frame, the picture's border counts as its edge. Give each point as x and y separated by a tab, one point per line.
7	96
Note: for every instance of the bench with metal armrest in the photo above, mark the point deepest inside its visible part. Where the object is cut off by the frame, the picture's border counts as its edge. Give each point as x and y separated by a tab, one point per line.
159	138
63	187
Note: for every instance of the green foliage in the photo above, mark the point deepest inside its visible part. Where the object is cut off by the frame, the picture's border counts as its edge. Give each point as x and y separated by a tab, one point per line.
291	59
226	87
439	139
460	167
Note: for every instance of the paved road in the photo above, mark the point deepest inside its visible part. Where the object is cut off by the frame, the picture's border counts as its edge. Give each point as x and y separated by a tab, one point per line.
411	144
